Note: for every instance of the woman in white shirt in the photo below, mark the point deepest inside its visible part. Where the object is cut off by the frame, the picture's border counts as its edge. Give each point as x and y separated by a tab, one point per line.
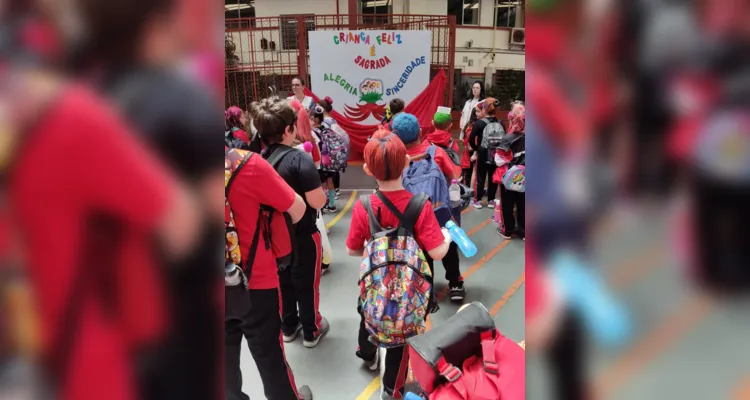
477	94
298	87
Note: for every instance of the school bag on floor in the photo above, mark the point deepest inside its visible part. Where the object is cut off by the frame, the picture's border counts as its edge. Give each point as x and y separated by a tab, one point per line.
337	142
424	176
395	280
467	358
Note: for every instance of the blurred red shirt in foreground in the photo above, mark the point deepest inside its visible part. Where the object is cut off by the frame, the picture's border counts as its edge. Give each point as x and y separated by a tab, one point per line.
77	160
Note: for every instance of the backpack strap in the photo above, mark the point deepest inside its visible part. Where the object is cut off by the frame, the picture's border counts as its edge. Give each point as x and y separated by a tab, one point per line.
488	352
413	211
431	151
276	156
234	153
371	217
390	206
248	264
453	377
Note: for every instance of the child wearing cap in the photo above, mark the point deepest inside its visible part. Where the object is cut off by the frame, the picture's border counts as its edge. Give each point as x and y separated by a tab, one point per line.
385	159
441	136
406	126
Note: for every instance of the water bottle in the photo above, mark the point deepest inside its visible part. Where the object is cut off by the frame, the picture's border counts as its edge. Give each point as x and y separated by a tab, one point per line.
498	215
232	274
459	237
454	192
604	317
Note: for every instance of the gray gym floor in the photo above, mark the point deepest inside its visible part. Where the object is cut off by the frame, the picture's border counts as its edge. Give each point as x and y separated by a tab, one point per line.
494	276
686	344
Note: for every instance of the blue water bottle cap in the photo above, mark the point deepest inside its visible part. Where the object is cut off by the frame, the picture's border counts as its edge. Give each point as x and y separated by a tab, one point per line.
450	224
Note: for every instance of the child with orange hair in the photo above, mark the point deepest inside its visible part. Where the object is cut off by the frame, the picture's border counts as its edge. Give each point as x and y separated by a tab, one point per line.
385	159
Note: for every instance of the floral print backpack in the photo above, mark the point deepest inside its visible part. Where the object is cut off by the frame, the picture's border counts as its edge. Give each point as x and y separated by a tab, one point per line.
395	280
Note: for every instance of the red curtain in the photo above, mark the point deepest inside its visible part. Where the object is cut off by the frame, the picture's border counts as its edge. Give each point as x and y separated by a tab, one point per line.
423	107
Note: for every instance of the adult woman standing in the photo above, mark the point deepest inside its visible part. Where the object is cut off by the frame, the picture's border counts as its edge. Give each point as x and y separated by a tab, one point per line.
298	87
477	94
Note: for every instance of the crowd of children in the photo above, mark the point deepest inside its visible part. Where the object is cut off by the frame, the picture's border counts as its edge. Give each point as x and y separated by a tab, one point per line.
303	148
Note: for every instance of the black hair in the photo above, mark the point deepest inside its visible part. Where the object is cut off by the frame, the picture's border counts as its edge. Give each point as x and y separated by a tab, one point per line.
481	89
396	105
326	103
302	81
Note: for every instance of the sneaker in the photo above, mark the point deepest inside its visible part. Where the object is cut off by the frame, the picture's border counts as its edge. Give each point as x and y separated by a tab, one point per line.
305	393
373	364
324	327
324	269
457	291
503	234
290	337
477	205
491	205
327	209
338	193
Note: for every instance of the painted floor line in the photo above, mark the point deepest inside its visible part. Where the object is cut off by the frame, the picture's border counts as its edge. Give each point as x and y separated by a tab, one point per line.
346	208
742	392
649	346
508	294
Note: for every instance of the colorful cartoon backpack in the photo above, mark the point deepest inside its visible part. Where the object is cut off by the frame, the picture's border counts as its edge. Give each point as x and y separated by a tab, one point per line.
395	280
337	142
515	179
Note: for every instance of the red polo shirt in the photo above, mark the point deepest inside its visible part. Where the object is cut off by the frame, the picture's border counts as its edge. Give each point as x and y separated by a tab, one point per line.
258	183
81	159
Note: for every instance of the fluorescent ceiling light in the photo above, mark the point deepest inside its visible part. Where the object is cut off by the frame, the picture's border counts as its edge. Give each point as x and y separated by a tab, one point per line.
375	3
235	7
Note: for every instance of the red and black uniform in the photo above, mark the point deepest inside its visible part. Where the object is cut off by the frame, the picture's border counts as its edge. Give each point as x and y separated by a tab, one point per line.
427	234
300	282
257	319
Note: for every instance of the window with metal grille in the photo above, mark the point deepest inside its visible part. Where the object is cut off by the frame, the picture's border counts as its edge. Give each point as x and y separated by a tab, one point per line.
509	86
239	9
289	30
375	12
466	11
508	13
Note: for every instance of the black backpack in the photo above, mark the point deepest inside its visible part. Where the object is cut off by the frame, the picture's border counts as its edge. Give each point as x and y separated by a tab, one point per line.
232	142
455	157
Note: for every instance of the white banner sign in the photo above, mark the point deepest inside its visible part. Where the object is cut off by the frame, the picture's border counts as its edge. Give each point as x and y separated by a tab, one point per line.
361	71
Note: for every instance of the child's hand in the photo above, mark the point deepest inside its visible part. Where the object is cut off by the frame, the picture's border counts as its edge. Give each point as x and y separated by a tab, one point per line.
446	235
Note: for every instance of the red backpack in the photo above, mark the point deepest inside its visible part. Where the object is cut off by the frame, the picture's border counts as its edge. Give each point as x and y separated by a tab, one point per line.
467	358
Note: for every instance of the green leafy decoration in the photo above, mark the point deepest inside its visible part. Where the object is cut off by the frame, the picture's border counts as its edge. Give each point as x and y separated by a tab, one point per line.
371	97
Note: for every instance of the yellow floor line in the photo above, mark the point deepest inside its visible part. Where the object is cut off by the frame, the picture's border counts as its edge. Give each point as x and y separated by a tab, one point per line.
346	208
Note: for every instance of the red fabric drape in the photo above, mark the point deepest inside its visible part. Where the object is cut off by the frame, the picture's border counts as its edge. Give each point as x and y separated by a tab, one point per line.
423	107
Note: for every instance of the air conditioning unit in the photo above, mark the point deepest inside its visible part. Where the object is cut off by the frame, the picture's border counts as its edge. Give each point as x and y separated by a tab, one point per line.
518	37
